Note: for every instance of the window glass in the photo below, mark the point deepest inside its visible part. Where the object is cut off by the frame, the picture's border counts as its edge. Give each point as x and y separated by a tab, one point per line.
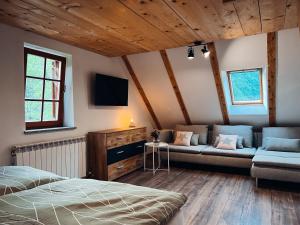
246	86
35	66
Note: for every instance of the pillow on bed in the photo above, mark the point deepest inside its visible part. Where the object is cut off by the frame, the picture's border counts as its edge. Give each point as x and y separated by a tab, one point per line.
282	144
183	138
227	142
239	143
19	178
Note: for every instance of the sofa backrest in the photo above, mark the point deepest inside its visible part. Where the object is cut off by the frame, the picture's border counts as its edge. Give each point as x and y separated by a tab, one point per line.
202	130
242	130
280	132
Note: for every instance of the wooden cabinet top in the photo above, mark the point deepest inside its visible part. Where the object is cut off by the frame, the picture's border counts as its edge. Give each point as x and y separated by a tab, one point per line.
116	130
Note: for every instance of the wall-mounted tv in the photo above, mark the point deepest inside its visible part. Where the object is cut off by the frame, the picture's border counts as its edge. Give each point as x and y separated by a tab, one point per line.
110	91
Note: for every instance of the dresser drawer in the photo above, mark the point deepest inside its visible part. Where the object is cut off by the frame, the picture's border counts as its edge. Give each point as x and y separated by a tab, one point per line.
123	167
118	139
124	152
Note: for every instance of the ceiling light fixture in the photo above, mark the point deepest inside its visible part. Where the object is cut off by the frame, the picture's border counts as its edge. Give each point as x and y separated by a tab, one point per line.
204	50
191	54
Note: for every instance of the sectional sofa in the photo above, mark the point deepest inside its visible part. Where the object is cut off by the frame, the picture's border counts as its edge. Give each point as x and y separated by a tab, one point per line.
272	160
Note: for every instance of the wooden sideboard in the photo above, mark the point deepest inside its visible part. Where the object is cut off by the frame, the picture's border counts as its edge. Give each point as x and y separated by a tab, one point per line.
116	152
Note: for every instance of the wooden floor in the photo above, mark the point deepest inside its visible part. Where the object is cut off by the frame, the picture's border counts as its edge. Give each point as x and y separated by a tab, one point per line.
224	198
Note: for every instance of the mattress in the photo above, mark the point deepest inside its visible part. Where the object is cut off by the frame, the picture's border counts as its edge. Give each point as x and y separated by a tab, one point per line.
19	178
90	202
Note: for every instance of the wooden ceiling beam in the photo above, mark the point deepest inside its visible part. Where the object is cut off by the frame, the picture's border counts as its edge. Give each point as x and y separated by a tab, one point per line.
173	81
272	55
141	91
216	72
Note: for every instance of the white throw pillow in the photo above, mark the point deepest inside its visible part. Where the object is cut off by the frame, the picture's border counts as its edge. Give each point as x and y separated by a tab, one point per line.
227	142
183	138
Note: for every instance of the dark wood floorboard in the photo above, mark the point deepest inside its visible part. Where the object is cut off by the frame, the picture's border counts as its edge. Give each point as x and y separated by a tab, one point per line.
217	198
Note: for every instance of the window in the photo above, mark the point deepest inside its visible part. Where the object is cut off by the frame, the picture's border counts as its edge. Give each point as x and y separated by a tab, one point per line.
246	86
44	89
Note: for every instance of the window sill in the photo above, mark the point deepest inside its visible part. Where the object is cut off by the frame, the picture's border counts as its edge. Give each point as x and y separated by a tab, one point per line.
48	130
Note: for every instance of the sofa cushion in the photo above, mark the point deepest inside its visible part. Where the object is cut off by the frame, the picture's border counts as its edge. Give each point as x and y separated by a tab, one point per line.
239	153
282	144
240	130
227	142
202	130
281	132
185	149
195	139
277	159
166	136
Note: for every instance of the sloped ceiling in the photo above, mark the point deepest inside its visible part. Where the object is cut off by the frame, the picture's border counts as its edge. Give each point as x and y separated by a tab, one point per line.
197	86
123	27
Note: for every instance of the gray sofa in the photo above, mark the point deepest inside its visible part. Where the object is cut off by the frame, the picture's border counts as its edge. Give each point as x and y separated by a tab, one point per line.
281	165
205	153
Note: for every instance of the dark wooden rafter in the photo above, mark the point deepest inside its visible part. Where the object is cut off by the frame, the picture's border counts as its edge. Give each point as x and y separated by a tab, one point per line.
216	72
272	50
172	78
299	14
141	91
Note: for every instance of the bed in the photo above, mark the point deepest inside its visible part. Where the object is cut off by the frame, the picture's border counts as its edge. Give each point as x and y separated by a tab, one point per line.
91	202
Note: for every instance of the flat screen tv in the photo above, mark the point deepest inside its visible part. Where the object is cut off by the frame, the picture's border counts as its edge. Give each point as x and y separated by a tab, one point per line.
110	91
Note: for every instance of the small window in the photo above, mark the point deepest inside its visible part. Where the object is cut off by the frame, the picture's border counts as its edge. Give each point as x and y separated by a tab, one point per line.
246	86
44	89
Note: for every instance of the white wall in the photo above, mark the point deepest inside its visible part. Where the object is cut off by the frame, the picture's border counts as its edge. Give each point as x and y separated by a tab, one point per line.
288	80
244	53
87	116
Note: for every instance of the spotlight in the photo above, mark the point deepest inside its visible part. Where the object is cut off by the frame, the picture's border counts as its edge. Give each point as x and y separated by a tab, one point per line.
205	51
191	54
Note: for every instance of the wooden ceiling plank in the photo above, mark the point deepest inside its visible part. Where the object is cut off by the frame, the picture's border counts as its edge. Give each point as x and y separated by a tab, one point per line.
141	91
291	15
116	18
272	55
249	16
230	26
160	15
217	76
192	13
272	14
176	89
84	25
59	29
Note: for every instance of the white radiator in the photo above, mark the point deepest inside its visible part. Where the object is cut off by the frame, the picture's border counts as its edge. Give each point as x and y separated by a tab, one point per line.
65	157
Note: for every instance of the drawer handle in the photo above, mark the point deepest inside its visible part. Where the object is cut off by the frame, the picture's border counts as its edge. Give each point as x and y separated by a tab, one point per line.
140	146
120	167
120	152
119	138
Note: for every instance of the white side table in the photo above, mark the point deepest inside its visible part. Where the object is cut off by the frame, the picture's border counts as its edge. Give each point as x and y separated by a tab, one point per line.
156	148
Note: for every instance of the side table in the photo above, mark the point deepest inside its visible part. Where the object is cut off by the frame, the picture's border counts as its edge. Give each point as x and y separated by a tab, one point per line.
156	148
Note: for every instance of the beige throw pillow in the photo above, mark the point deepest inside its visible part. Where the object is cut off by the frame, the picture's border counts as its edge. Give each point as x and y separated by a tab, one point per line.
183	138
227	142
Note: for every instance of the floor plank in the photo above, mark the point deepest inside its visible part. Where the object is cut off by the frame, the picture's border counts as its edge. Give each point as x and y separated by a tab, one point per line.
217	198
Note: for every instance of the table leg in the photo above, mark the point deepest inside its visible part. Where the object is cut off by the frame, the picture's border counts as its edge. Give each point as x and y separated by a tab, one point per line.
159	160
168	159
153	163
144	157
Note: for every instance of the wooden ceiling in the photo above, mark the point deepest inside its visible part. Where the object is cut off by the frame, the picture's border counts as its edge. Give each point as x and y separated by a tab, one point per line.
122	27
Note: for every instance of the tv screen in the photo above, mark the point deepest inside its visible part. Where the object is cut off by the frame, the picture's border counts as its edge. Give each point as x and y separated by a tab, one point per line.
110	91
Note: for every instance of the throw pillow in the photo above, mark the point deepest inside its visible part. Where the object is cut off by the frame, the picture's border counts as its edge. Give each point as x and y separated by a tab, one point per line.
282	144
227	142
195	139
183	138
239	143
